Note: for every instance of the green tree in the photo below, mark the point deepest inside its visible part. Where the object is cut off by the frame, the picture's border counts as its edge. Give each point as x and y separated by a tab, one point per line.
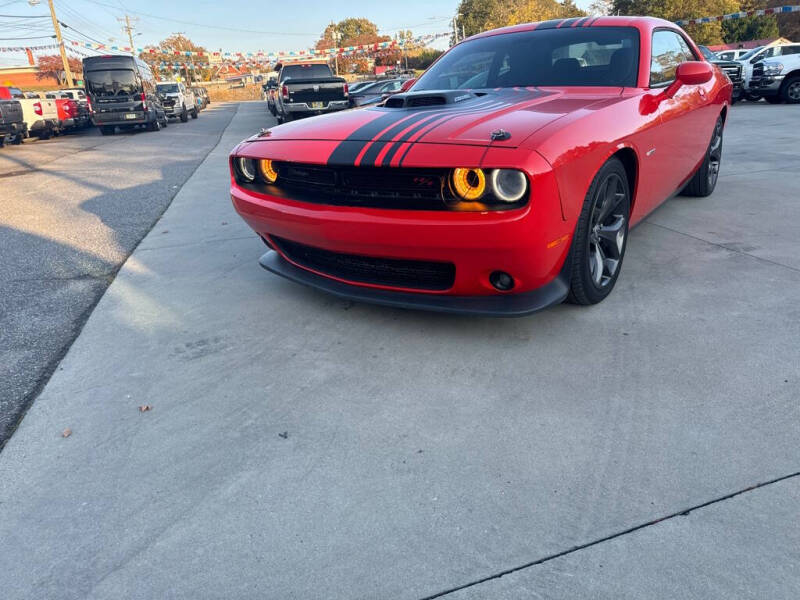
480	15
675	10
179	42
352	32
750	28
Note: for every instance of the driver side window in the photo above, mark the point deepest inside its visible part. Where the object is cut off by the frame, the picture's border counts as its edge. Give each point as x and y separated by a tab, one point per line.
668	50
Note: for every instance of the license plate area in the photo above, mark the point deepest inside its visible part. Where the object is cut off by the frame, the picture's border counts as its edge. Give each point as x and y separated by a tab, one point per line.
130	115
317	105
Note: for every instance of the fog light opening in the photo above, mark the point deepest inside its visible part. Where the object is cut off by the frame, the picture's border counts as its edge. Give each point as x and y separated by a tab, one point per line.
501	281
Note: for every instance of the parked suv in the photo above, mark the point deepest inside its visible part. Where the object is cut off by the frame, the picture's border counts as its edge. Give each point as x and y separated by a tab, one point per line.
122	93
12	123
777	80
178	100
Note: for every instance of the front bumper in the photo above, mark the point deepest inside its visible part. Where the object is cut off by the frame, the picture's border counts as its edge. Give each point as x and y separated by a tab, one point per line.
767	86
506	305
11	128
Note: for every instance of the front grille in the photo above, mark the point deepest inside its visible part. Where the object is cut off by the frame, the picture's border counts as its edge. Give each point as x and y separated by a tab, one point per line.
758	70
391	272
375	187
734	72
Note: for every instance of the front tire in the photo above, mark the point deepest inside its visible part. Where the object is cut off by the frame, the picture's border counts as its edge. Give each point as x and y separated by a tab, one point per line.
184	115
791	90
194	113
774	99
704	181
601	236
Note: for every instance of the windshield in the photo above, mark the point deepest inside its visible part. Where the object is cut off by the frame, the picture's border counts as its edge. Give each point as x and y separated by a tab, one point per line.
167	88
116	82
596	56
305	72
750	54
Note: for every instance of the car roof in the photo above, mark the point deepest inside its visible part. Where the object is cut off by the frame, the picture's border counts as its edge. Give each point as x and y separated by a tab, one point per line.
642	23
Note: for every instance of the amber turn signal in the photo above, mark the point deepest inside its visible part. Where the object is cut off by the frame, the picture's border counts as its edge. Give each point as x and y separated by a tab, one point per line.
267	170
468	184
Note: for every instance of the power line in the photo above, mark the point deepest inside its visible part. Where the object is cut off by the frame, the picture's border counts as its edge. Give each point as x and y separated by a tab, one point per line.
34	37
144	14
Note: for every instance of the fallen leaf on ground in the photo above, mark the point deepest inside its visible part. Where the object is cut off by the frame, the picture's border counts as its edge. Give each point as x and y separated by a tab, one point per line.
67	432
145	408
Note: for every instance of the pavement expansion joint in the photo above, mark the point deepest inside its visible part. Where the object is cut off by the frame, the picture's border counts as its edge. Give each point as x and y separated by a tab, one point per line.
680	513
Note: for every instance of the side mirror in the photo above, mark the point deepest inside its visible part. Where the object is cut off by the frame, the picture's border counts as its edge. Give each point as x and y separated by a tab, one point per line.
693	72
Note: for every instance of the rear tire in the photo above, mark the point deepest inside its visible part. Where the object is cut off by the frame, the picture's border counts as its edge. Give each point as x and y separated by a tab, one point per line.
601	236
791	90
704	181
154	125
107	130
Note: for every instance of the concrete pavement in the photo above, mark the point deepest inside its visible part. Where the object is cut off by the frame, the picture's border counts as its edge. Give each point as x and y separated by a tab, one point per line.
71	211
300	446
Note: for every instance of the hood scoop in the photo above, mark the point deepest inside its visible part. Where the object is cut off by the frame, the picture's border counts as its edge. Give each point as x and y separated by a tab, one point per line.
422	99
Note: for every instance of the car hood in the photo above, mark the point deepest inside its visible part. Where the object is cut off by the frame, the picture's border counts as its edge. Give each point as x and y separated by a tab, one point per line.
465	118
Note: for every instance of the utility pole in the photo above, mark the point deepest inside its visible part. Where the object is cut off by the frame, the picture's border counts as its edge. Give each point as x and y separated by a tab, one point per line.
128	28
455	28
335	36
67	70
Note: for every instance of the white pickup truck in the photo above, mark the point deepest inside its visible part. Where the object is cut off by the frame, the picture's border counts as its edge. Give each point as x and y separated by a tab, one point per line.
40	114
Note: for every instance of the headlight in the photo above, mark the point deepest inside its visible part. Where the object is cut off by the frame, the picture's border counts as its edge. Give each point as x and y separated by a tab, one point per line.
267	170
773	69
245	169
468	184
509	185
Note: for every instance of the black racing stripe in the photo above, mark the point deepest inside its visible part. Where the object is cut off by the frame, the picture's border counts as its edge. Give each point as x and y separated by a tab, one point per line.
397	144
552	24
371	155
349	149
440	123
377	145
569	22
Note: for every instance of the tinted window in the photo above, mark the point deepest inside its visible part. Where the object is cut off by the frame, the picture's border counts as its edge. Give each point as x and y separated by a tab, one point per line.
669	50
305	72
116	82
596	56
786	50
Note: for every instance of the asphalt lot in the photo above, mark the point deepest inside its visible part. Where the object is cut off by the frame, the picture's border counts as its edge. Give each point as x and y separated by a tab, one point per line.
300	446
72	209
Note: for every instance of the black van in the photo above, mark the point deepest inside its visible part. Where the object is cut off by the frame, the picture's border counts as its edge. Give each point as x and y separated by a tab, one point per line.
122	91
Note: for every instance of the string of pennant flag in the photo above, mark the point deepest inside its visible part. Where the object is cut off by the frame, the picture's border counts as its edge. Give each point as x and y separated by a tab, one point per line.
348	50
274	56
740	15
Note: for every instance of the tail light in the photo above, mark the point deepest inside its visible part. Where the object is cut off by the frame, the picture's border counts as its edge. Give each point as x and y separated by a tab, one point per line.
285	92
143	97
37	108
346	91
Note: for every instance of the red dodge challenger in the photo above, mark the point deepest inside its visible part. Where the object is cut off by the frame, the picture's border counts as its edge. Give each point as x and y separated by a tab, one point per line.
503	181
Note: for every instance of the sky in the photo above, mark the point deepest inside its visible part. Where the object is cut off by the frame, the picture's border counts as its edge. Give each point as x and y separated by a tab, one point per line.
230	25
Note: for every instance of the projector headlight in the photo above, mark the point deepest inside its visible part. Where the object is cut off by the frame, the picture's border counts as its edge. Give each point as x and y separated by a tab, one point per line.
468	184
508	185
245	169
267	170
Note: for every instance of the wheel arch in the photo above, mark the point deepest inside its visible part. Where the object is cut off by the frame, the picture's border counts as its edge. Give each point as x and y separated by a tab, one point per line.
627	156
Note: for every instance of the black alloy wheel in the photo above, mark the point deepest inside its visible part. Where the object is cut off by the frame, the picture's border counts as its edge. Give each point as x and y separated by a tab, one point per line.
705	179
601	236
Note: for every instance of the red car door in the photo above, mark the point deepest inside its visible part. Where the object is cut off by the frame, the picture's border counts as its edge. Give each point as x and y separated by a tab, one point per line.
683	133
